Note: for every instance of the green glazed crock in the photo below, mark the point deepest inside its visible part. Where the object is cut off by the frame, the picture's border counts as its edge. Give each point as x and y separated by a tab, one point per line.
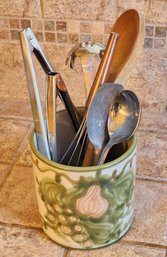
85	207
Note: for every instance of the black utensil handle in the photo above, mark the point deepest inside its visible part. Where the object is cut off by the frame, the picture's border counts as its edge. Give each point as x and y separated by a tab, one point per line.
65	97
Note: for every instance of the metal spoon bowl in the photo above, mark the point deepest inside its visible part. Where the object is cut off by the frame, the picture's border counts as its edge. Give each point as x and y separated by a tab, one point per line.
98	115
86	52
123	121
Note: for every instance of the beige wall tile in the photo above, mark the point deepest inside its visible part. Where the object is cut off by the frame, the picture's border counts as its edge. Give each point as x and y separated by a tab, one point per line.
108	28
73	26
4	34
149	31
97	27
12	69
39	35
85	27
61	26
62	38
14	23
153	11
4	23
22	8
131	4
49	25
37	24
73	38
160	43
98	38
50	37
160	31
25	23
14	34
85	37
148	42
79	10
148	79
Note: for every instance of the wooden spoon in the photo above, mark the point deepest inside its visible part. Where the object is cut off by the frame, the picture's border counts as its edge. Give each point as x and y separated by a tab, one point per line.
130	28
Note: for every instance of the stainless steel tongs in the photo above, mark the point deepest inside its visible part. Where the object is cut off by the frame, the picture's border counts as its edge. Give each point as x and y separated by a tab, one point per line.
45	132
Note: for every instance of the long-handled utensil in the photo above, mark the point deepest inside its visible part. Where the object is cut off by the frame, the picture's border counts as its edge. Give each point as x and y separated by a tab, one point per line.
30	45
51	115
130	27
99	79
40	128
62	89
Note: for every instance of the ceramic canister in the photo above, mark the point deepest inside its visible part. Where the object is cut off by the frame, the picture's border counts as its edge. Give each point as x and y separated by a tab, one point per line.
85	207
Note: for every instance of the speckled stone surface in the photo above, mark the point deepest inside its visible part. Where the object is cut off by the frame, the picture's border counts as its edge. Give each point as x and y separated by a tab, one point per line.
13	78
25	242
150	220
154	11
82	10
15	108
18	202
121	250
149	80
25	154
20	8
12	134
154	121
4	172
152	154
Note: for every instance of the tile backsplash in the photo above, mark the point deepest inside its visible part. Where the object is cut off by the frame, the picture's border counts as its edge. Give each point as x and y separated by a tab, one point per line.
75	31
59	25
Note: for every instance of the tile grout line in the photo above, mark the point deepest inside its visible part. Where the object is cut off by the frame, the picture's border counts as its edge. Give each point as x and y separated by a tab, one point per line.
146	244
152	179
16	118
16	156
64	252
31	120
21	226
9	28
6	162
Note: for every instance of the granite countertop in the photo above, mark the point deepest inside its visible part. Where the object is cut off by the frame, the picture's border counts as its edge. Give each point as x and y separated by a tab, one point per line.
20	227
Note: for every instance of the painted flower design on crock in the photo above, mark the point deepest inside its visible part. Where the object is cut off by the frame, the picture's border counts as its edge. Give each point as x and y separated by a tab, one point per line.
93	210
92	203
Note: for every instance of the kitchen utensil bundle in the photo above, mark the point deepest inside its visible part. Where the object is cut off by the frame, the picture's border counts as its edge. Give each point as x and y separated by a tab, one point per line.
111	114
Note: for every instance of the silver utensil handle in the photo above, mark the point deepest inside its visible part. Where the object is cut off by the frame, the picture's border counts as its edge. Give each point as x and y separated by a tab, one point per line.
36	106
38	51
62	90
51	115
